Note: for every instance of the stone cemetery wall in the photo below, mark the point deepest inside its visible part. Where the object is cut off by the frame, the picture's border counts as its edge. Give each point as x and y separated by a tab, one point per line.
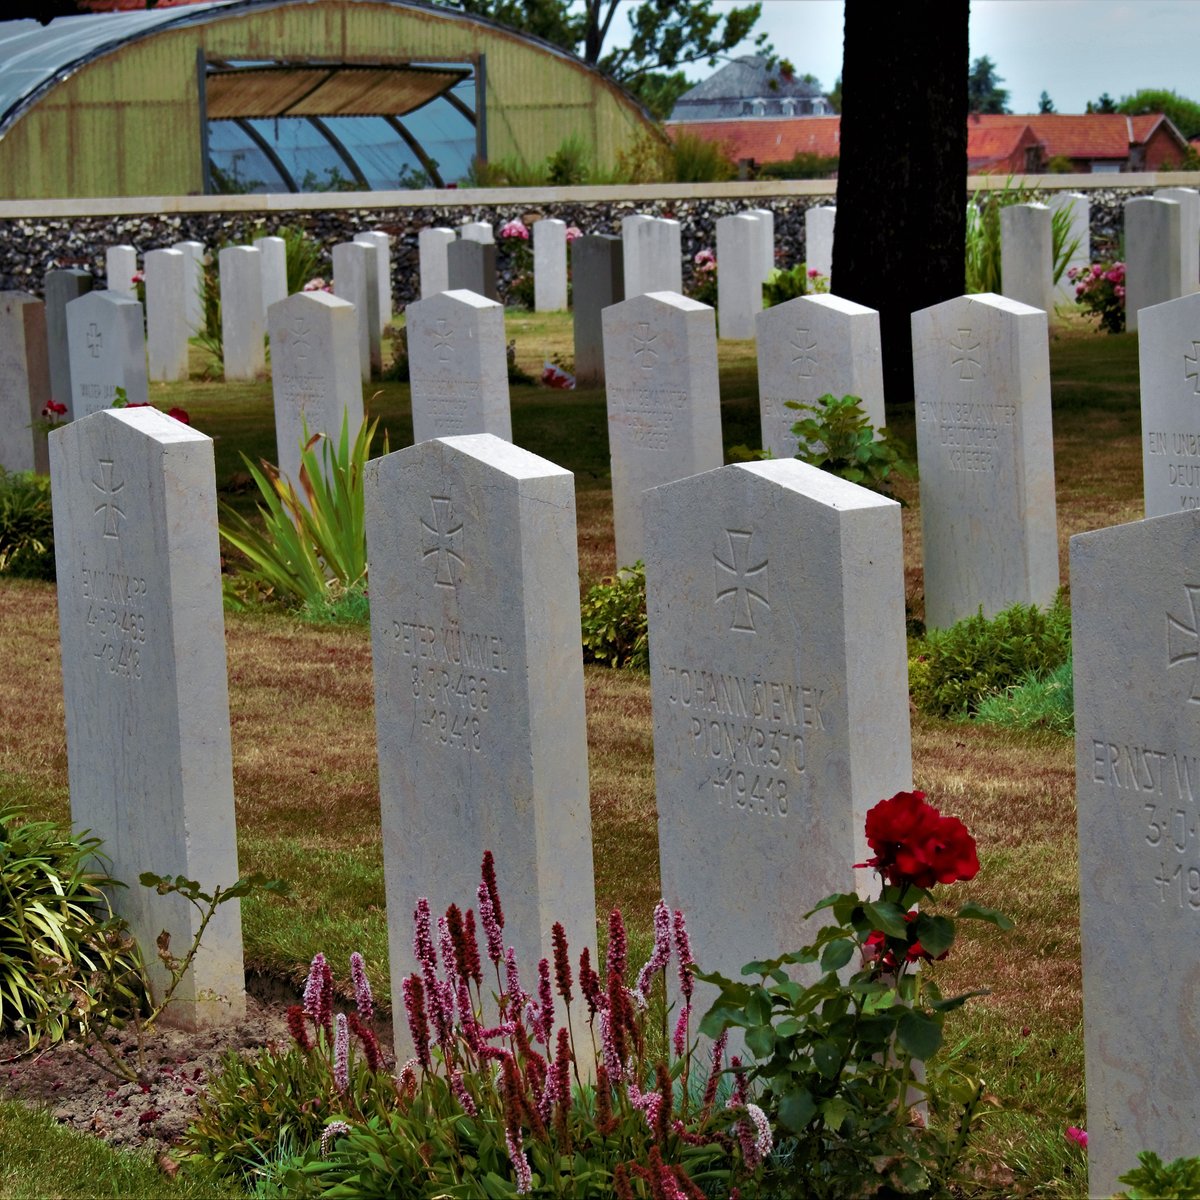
144	681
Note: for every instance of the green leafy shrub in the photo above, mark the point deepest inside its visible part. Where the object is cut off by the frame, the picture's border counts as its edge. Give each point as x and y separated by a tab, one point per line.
303	256
1153	1179
840	439
1036	701
698	160
803	165
26	525
952	670
613	617
569	165
785	283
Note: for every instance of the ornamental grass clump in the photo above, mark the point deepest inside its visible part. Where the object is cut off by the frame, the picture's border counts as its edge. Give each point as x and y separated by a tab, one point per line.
836	1058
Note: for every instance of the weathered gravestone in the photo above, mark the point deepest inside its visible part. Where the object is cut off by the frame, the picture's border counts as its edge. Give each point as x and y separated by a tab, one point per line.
243	322
1153	254
598	275
549	265
652	253
273	265
381	244
766	232
166	314
471	267
1188	200
773	731
479	692
194	284
818	239
1026	255
809	347
1135	618
106	333
739	275
120	266
477	231
1169	354
458	366
144	682
24	382
664	406
986	450
314	373
62	286
354	266
1079	240
434	263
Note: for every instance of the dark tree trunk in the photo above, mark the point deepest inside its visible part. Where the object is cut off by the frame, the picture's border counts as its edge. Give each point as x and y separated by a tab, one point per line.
899	241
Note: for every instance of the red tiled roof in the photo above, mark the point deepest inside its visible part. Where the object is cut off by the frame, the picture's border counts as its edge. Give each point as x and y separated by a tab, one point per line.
765	139
989	144
1077	135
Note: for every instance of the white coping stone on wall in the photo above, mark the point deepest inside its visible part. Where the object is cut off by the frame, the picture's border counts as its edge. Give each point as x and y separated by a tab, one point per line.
1189	234
766	219
819	223
383	270
663	399
1079	233
243	321
62	286
24	382
315	375
477	231
739	281
1135	612
120	266
549	265
762	579
434	264
598	280
985	445
107	339
1169	358
652	252
144	683
811	346
353	281
194	283
166	315
479	698
1027	255
274	271
458	366
1153	254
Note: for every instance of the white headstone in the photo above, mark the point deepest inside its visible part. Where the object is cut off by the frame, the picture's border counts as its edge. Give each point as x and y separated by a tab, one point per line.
762	582
597	280
354	280
1153	254
458	366
739	274
243	323
274	270
664	403
24	382
985	445
549	265
818	239
1135	609
1079	235
106	334
766	231
166	314
314	372
809	347
120	266
194	283
383	270
477	231
1189	234
431	250
1026	255
1169	354
652	251
144	682
471	267
62	286
479	700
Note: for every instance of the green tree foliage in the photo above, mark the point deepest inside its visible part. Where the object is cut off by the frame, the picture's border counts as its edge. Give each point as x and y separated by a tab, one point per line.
1106	104
1183	113
984	93
1045	104
835	95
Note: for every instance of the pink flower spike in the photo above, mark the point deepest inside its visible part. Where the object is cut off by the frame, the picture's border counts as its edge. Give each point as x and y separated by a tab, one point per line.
312	988
520	1164
516	994
491	928
1078	1136
679	1042
363	1000
423	937
661	953
545	1001
341	1056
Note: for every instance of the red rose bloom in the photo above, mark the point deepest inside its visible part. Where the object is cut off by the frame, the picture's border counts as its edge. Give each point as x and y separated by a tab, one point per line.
914	844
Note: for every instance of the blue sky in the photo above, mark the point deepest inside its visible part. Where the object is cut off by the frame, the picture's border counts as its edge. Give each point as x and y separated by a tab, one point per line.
1074	49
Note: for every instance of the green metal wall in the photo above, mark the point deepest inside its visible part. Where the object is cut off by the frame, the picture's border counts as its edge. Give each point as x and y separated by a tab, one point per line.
128	124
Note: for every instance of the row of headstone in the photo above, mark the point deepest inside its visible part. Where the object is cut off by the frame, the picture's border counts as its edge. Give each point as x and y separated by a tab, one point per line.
819	222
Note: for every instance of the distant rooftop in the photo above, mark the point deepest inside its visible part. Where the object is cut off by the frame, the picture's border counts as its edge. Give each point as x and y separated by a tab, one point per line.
746	87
